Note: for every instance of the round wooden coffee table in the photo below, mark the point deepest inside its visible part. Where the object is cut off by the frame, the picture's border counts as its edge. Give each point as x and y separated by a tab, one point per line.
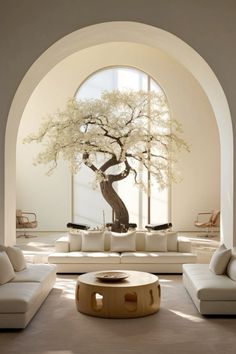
118	294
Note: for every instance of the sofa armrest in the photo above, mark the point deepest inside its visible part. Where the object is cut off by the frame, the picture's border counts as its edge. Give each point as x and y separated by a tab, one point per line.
184	245
62	244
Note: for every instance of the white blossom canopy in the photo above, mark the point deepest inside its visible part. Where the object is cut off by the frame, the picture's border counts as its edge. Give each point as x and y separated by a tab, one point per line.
129	129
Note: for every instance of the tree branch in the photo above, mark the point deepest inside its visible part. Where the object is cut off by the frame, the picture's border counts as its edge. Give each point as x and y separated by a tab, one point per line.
91	166
121	175
111	162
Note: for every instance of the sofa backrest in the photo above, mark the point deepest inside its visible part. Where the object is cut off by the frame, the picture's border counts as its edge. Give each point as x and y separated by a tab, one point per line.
75	240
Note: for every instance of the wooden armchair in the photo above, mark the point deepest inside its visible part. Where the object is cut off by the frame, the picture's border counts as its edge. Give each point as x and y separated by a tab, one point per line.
25	220
208	221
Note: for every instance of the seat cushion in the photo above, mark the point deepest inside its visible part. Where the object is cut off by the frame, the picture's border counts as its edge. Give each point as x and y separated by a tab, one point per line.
84	257
18	297
35	273
157	257
207	285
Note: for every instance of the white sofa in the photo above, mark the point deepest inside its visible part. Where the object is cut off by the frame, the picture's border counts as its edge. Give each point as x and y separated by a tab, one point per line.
212	294
70	256
21	297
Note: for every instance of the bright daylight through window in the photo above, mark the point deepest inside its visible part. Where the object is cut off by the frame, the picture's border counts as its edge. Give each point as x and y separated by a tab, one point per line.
89	206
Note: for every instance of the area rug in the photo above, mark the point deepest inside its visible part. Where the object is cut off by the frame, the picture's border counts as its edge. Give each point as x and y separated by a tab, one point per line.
58	328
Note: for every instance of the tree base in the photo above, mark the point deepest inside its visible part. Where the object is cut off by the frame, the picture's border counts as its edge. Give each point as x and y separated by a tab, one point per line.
116	226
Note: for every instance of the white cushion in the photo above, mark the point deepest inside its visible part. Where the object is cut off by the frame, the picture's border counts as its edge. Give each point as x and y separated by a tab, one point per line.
220	259
156	241
172	241
123	241
17	258
39	273
19	297
6	269
207	285
85	258
62	244
157	257
184	245
75	239
231	268
92	241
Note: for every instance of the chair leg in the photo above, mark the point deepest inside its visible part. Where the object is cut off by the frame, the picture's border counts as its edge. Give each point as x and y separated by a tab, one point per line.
18	236
210	232
207	234
25	235
29	236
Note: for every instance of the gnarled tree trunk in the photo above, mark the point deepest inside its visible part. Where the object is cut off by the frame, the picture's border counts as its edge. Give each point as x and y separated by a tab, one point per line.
121	213
113	199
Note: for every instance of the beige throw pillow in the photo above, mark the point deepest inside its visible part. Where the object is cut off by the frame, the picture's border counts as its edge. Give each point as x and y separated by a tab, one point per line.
156	242
231	268
219	260
3	248
17	258
123	242
6	270
92	241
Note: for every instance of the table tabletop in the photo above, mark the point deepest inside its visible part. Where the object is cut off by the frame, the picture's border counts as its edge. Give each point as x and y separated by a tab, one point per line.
134	278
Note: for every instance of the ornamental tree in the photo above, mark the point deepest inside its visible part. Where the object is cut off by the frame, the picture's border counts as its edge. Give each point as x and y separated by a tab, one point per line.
115	136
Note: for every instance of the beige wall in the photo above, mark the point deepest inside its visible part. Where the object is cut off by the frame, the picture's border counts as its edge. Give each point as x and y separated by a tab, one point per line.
188	104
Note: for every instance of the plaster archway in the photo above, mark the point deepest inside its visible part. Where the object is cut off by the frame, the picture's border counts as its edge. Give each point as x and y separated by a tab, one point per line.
123	32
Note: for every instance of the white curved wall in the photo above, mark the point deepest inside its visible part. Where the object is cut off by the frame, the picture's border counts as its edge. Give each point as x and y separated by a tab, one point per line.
128	32
200	188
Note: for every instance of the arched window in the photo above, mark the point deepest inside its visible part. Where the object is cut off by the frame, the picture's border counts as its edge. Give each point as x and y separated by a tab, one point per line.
88	204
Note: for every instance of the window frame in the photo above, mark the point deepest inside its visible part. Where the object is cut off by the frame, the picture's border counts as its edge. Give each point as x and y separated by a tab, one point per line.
149	194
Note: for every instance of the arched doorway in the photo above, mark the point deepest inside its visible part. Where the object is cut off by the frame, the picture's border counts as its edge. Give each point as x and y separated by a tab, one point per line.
135	33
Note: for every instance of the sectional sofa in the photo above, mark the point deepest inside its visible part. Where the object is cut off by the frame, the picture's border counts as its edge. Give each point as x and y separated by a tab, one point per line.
155	252
23	287
212	287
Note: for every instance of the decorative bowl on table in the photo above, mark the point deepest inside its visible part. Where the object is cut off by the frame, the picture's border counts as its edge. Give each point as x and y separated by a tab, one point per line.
111	276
